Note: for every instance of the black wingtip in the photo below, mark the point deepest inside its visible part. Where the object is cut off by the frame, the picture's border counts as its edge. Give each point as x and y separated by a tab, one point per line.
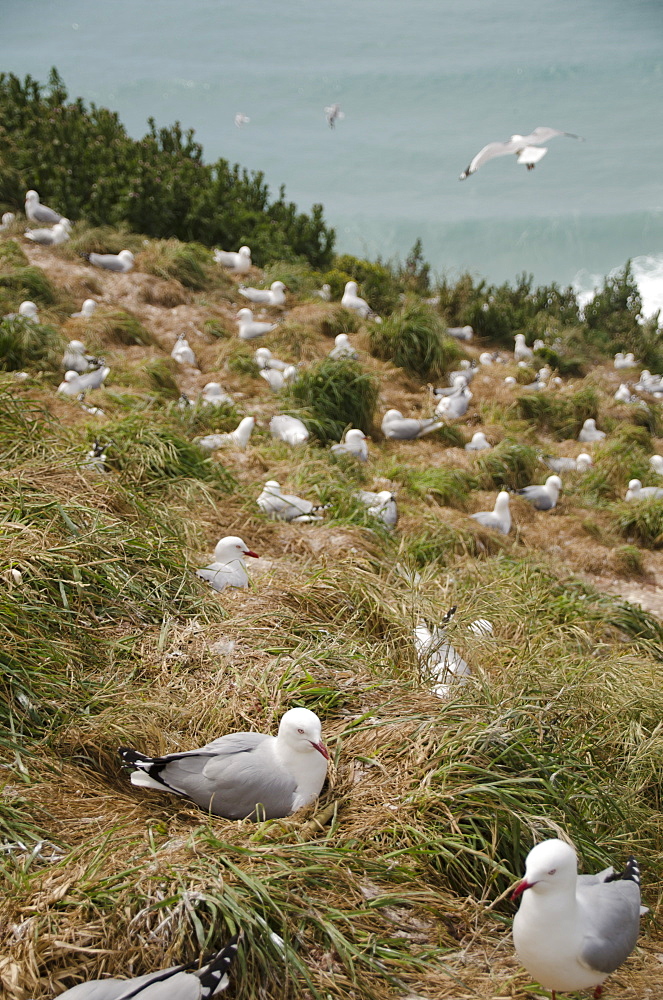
131	756
631	872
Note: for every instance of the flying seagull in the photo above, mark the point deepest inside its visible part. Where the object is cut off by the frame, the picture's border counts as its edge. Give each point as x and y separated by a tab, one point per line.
333	114
523	146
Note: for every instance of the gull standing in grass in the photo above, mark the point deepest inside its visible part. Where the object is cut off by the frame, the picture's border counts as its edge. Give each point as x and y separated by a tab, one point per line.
228	568
121	262
343	348
288	429
42	214
499	518
455	405
438	658
521	351
381	505
248	328
263	358
478	442
244	775
636	491
571	931
239	262
75	359
214	395
182	352
239	438
543	497
277	380
354	302
50	237
354	444
87	310
589	432
563	464
527	148
272	296
399	428
325	293
181	982
286	506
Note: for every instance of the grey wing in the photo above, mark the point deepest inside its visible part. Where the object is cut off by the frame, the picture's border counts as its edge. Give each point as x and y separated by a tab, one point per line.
537	496
297	505
542	134
42	213
426	426
485	517
403	429
367	497
216	574
489	152
109	261
612	912
113	989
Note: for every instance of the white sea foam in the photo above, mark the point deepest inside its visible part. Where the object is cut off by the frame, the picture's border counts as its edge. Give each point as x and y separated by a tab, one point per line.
648	273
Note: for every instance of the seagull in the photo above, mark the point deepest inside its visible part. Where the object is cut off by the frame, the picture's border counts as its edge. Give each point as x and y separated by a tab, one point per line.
87	310
239	262
454	406
381	505
181	982
624	395
183	353
276	380
624	360
478	442
288	429
244	775
325	293
249	328
543	497
75	358
272	296
334	114
228	568
49	237
521	351
460	380
354	303
397	427
589	432
498	518
214	395
75	384
438	658
239	438
263	358
241	119
285	506
468	370
461	332
656	462
40	213
28	310
122	261
563	464
636	491
7	219
96	457
571	931
354	444
523	146
343	348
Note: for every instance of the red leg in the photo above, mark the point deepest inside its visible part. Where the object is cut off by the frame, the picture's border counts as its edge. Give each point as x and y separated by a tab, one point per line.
597	992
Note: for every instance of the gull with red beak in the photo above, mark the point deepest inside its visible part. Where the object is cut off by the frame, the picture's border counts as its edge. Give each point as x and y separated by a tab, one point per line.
571	930
228	568
244	775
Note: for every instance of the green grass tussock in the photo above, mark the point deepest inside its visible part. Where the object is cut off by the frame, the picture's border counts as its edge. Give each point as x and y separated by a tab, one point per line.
510	465
189	263
641	521
117	326
413	338
333	395
24	344
445	487
562	416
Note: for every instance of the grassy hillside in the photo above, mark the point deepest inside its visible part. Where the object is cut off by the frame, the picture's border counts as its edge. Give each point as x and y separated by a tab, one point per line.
395	883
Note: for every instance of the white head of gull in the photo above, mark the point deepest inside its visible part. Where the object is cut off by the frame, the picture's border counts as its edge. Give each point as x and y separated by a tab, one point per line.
228	568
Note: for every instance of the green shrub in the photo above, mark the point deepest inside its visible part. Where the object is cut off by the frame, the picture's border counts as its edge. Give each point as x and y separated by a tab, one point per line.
339	320
29	283
510	465
189	263
447	487
161	375
24	344
118	326
333	395
563	416
413	338
158	185
641	521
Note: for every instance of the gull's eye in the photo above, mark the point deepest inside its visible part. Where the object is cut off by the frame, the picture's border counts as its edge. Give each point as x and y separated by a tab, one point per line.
301	731
552	871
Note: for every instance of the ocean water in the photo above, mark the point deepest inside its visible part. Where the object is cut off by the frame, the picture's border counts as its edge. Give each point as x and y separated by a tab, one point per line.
424	84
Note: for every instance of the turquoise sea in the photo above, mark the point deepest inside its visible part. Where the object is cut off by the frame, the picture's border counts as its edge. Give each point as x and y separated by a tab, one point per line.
423	84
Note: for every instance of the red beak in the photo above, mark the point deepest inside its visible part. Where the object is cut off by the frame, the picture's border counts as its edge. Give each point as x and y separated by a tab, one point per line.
520	888
254	555
321	748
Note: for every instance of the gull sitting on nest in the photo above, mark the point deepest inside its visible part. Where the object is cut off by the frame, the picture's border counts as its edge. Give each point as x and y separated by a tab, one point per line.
228	568
499	518
239	262
286	506
354	444
239	438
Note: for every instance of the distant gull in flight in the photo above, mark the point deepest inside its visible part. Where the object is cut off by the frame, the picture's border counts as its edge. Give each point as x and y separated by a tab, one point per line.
333	114
523	146
241	119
